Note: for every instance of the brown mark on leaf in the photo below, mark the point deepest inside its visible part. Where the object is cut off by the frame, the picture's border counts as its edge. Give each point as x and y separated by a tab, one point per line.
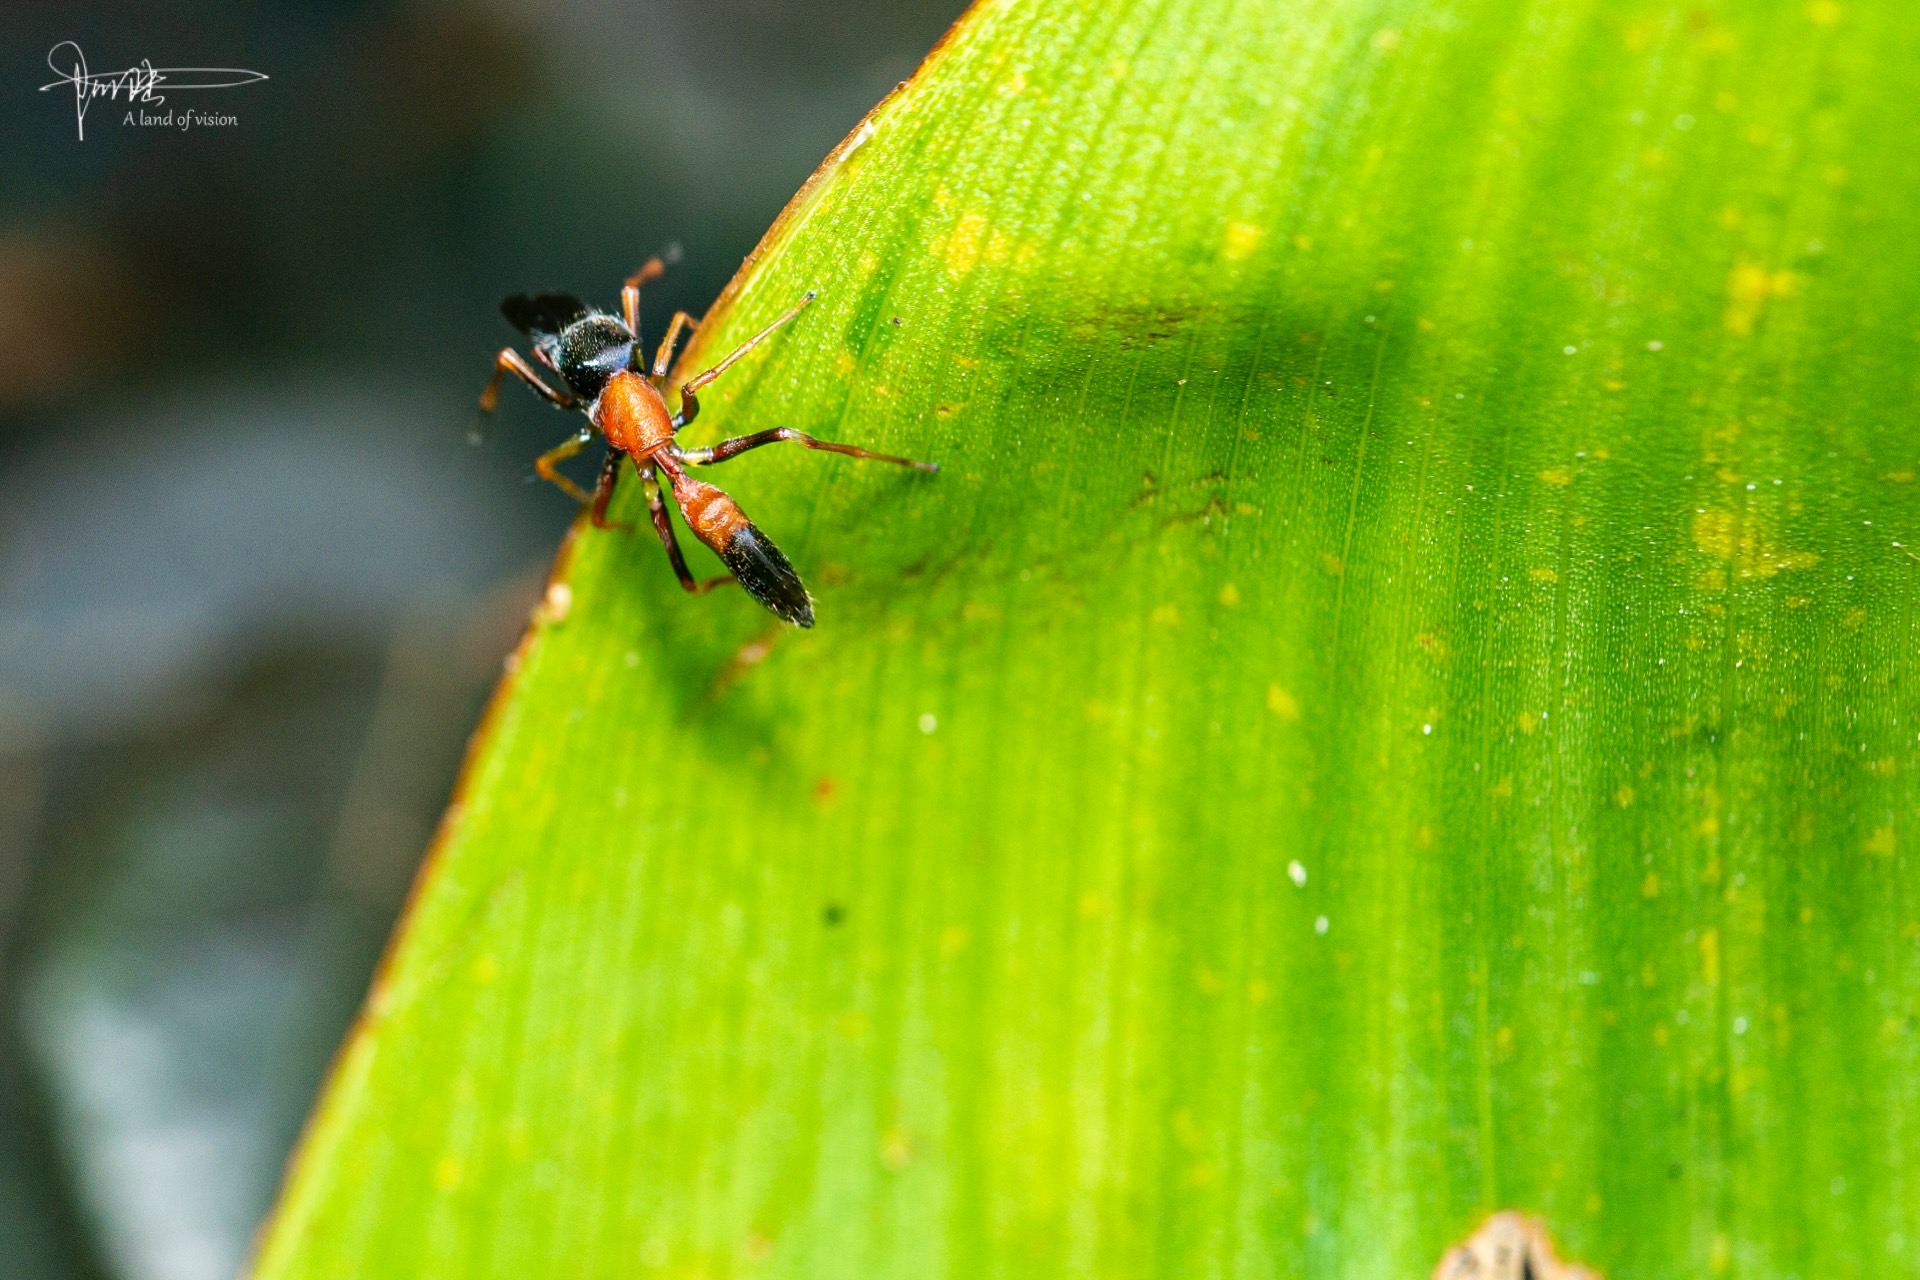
1135	325
745	659
1509	1246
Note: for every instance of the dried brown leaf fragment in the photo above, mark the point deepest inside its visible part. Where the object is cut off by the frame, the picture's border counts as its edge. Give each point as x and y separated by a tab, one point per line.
1509	1246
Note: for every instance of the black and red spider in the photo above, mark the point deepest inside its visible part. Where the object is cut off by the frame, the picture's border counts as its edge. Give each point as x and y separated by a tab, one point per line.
599	362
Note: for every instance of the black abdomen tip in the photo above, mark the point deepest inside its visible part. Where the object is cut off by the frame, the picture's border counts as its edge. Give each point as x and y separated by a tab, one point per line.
767	576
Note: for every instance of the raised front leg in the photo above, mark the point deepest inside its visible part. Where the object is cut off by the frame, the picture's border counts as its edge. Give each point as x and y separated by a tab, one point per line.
690	389
630	293
740	444
681	320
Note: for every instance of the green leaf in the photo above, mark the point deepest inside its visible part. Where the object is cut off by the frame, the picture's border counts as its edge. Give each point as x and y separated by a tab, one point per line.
1400	704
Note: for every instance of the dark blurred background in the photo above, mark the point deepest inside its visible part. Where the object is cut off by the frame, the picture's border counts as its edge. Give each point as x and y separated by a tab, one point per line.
254	581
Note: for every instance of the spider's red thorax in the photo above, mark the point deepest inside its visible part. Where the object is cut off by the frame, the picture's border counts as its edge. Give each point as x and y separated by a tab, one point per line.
632	415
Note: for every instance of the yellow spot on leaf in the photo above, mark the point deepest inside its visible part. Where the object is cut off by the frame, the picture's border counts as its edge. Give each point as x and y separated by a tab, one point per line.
1881	841
896	1149
1714	532
1386	40
1544	575
1824	13
1229	595
1502	790
1242	239
447	1172
1623	797
1650	887
1332	563
1560	477
1282	703
1750	287
1527	722
964	244
1723	534
954	939
1710	957
1165	616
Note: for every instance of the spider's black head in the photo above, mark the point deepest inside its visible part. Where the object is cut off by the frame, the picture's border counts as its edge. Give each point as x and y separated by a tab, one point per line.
584	346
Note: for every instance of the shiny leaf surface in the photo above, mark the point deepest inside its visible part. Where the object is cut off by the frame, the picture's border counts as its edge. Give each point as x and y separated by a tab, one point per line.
1400	703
